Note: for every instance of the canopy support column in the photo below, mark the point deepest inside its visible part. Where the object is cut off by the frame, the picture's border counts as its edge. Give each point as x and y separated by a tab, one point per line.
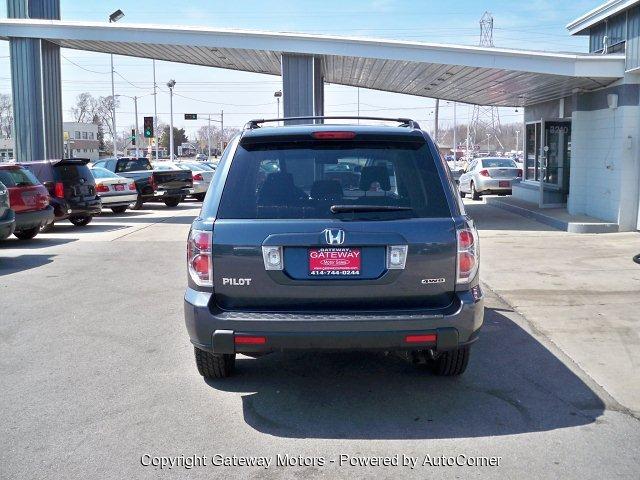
302	86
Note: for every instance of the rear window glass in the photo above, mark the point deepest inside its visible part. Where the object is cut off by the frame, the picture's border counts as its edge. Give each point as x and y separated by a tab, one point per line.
498	163
305	180
71	173
133	165
102	173
17	177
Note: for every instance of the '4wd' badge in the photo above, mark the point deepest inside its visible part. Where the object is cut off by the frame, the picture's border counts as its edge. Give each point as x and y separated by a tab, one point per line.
334	236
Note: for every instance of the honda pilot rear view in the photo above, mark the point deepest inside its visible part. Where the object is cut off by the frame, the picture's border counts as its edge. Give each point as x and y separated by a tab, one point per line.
333	237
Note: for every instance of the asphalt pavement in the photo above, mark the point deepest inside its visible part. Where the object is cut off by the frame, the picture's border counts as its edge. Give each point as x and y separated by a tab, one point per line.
98	381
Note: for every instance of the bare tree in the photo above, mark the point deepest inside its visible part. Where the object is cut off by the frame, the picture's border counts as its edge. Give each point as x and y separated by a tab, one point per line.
85	108
6	116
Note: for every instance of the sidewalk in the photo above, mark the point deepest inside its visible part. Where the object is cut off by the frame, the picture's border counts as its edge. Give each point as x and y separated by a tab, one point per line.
582	291
555	217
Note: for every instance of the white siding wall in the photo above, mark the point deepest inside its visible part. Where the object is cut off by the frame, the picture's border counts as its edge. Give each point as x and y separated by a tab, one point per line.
604	165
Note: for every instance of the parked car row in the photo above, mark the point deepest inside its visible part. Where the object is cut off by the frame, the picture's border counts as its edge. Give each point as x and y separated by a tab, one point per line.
36	195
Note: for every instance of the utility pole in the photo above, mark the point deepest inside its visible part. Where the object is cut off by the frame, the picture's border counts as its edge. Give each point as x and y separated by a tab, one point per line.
155	111
209	137
517	140
358	104
171	83
221	131
455	143
137	137
435	127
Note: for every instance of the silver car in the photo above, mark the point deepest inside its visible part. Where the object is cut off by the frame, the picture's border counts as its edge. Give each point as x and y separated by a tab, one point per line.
489	175
202	175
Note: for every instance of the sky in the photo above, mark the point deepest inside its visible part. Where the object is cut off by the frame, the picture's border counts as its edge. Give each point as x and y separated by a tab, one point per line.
533	25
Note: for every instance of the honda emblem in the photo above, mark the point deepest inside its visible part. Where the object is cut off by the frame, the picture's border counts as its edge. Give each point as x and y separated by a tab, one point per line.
334	236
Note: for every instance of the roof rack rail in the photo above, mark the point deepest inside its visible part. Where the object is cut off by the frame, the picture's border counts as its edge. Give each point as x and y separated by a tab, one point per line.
404	122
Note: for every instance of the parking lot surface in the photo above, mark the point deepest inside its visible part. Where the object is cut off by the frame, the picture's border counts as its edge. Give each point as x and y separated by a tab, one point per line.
98	375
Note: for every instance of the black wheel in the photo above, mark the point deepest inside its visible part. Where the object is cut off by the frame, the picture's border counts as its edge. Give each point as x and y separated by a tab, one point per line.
27	234
199	196
81	221
462	194
119	209
172	202
137	205
214	365
451	363
474	193
47	228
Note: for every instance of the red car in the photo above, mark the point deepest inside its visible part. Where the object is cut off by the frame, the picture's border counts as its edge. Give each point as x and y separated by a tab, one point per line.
29	199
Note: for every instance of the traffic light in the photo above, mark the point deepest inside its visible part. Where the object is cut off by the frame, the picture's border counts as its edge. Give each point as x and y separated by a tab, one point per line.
148	127
133	136
190	116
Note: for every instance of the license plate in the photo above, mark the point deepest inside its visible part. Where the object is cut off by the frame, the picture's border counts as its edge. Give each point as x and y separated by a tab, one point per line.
504	184
119	188
334	261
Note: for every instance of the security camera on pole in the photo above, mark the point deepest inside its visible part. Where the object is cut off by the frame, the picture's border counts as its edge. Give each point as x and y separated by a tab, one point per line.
171	83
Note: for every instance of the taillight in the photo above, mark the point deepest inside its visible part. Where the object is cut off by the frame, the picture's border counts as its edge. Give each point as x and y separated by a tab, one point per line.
102	188
520	172
132	186
468	254
58	190
199	261
484	173
152	183
198	177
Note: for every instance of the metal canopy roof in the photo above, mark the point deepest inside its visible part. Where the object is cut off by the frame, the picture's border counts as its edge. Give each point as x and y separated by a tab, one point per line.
479	75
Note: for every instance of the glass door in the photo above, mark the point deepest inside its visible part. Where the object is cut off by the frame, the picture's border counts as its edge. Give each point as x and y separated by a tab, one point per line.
555	159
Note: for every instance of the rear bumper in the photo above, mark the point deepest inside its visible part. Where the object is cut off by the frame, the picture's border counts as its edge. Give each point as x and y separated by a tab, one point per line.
216	332
119	199
493	185
27	220
64	209
160	195
7	224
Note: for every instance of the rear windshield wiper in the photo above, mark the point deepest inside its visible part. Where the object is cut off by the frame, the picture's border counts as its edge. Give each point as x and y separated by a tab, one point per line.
367	208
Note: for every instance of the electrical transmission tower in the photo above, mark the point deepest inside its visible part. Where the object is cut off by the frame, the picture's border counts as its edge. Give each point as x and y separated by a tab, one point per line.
485	120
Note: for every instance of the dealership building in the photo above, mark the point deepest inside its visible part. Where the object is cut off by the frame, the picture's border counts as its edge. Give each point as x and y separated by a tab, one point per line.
582	150
581	110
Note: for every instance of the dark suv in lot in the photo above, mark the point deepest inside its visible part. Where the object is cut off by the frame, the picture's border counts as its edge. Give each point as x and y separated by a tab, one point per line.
71	187
333	237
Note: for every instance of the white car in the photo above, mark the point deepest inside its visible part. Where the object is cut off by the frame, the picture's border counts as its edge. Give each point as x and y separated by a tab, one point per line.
202	175
115	192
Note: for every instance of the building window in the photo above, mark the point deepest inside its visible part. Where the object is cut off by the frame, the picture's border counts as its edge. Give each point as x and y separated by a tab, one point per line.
84	135
90	135
77	135
532	145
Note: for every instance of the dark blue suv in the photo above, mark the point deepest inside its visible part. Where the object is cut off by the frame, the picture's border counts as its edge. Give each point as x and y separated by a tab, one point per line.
333	237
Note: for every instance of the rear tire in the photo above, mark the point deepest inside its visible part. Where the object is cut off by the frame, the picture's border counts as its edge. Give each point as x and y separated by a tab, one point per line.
47	228
214	365
81	221
27	234
474	193
451	363
119	209
462	194
199	196
172	202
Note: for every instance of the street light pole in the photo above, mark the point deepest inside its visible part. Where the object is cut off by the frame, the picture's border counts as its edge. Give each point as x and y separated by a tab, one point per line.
155	111
114	17
278	94
517	141
221	131
455	143
171	83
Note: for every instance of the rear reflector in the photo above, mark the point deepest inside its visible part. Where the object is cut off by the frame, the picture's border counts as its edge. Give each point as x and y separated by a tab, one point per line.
246	340
334	135
426	338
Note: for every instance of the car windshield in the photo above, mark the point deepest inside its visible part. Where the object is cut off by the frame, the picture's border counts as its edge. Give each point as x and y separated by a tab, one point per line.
17	177
345	181
133	165
71	172
498	163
